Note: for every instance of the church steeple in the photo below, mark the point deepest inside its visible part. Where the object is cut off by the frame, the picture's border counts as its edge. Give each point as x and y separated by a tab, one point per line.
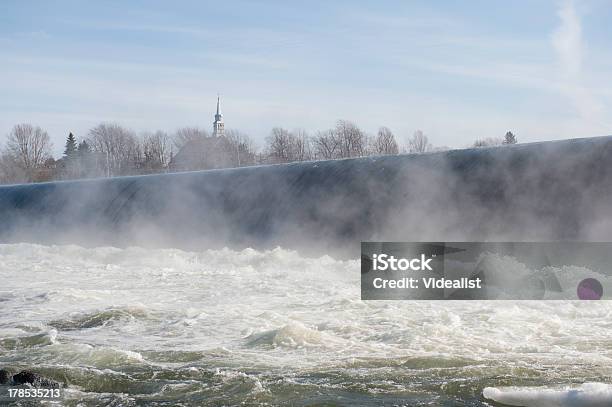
218	125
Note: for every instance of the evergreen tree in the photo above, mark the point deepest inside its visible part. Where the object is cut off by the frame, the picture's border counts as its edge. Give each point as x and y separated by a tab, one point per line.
84	147
71	147
84	162
510	138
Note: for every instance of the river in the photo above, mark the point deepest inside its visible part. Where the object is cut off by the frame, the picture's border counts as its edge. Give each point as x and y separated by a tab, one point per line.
165	327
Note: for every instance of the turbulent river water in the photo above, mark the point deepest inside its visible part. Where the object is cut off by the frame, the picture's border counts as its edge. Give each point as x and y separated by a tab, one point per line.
135	326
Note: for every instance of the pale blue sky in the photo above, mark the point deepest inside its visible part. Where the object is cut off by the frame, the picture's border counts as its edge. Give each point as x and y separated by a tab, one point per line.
458	70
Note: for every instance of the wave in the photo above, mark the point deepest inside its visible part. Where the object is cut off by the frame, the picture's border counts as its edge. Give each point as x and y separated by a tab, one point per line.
99	318
294	335
24	342
100	357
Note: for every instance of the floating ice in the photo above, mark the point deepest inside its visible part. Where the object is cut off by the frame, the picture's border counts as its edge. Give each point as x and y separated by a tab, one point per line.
586	395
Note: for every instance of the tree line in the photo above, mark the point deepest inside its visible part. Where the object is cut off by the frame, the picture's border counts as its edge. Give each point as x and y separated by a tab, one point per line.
109	150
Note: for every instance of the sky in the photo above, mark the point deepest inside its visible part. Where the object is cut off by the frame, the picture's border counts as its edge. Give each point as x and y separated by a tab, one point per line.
457	70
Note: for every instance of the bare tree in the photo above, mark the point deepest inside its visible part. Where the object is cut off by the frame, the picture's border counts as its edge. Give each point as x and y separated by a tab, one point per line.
30	147
343	141
302	146
487	142
384	143
283	146
326	145
419	143
10	170
241	148
120	150
156	149
186	134
351	139
279	145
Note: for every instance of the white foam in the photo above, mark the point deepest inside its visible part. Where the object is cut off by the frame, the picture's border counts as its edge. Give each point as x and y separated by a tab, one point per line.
310	308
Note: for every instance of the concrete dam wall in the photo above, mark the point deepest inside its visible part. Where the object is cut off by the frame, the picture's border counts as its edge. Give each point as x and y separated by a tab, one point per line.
559	190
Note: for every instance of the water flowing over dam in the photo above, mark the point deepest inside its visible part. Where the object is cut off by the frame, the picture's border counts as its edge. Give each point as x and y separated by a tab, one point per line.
171	316
542	191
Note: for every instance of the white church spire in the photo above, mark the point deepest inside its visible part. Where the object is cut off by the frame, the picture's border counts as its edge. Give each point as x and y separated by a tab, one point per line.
218	125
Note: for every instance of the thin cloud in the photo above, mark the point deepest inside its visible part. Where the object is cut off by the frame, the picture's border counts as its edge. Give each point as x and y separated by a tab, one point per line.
568	43
567	39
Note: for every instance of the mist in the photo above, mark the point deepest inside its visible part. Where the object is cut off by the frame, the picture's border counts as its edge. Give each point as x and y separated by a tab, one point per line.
530	192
